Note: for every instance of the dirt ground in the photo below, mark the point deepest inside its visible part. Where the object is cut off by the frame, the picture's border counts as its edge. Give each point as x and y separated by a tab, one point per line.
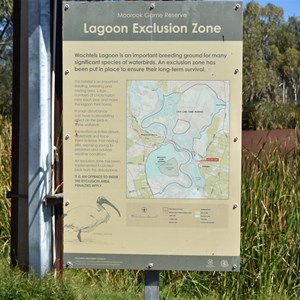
284	139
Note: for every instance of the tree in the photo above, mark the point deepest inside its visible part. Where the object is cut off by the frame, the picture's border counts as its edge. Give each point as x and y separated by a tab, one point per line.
253	60
271	48
260	80
294	28
6	29
6	32
291	68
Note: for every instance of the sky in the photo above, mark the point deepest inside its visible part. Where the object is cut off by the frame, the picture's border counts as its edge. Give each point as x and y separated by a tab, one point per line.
291	7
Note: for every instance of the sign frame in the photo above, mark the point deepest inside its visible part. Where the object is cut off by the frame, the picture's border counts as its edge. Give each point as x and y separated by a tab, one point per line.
212	235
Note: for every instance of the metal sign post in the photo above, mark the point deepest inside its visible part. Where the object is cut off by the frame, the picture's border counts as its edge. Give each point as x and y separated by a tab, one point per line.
151	285
39	139
31	245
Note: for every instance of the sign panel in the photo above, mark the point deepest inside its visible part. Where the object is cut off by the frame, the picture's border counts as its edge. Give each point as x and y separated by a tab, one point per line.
152	127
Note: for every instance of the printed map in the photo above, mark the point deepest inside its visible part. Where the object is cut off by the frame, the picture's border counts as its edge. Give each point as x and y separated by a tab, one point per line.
178	139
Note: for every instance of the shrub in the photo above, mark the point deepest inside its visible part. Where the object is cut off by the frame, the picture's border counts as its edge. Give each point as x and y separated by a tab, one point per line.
266	116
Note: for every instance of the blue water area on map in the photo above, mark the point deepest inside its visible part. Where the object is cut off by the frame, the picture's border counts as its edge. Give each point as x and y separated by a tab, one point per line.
200	105
162	155
166	114
165	118
134	99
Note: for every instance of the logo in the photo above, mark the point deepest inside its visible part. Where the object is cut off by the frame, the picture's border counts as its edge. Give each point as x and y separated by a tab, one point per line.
210	263
224	263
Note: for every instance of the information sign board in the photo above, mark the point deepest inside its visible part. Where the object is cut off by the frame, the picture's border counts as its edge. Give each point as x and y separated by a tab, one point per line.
152	134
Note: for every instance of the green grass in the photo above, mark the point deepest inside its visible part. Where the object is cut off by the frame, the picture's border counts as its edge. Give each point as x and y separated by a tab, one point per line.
270	246
75	284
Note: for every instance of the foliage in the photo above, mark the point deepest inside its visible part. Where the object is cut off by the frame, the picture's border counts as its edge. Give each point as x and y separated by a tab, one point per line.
6	31
5	174
267	116
271	58
270	246
75	284
270	240
270	230
6	9
15	284
6	88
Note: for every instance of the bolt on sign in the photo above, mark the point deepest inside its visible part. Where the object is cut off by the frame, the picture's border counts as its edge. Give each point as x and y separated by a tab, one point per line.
152	127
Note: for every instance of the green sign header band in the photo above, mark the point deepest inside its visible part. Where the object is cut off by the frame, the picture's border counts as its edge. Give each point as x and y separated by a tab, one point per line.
153	21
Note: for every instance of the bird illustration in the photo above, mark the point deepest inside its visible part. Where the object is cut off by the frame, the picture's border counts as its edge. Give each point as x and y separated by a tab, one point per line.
91	217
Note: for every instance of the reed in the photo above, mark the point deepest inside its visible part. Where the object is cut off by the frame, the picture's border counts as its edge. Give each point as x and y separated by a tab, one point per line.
5	175
270	245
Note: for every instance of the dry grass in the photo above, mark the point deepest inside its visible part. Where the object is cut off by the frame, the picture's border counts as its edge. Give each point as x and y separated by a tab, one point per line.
5	175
